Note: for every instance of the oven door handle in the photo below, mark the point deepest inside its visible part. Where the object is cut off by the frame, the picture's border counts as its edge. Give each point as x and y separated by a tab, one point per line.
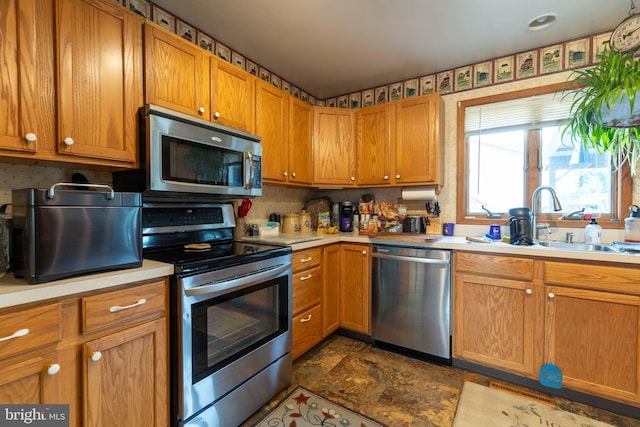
237	282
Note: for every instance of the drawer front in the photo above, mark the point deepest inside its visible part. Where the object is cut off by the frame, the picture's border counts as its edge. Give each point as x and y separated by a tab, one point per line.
494	265
307	289
123	306
306	330
596	277
29	329
308	258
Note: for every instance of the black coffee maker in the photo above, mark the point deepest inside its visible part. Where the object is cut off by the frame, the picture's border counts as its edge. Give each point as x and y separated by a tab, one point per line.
520	226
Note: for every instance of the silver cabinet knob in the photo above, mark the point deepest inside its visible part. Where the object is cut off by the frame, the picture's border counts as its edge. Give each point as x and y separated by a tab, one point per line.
31	137
528	291
293	174
201	110
364	252
353	178
397	176
96	355
53	369
216	115
551	295
386	177
68	141
285	174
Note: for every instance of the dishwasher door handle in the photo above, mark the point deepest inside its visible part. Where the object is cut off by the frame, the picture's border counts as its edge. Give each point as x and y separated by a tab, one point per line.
411	259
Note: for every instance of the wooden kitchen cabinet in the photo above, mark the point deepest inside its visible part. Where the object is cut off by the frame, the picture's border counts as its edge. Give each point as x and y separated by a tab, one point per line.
496	312
334	147
419	145
374	144
232	96
109	364
27	81
306	300
99	53
355	289
272	124
593	315
300	142
331	279
176	72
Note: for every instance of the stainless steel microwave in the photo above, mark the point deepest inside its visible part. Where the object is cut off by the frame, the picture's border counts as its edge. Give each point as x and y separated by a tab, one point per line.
183	154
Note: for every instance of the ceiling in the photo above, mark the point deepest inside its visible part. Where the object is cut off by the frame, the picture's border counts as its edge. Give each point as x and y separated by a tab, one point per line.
335	47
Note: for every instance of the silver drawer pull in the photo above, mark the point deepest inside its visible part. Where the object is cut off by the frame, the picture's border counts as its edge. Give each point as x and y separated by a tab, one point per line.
16	334
306	259
307	277
306	319
117	308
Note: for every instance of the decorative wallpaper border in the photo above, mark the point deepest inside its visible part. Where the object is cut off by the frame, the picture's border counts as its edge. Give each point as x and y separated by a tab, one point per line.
576	53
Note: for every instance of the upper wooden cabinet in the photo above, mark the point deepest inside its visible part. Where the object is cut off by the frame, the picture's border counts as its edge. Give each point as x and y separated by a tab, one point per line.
26	83
375	136
419	143
99	81
176	73
272	125
232	95
334	147
300	140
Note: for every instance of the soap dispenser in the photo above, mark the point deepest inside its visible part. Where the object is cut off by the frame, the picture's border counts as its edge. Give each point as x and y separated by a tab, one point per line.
593	232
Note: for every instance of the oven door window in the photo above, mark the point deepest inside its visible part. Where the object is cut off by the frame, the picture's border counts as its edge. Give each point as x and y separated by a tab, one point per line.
227	327
187	161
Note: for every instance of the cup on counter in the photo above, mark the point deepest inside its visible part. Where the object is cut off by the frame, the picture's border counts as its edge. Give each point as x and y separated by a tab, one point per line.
447	229
494	232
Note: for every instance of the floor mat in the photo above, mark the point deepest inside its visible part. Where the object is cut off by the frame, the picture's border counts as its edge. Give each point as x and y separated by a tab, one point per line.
302	408
481	406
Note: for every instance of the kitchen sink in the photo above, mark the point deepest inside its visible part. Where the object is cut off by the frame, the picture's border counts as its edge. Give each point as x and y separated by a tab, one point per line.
580	247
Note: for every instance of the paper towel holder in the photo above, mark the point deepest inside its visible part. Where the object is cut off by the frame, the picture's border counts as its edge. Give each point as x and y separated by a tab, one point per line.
424	192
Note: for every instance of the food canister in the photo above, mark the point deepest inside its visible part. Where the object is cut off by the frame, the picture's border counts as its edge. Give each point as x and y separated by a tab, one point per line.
306	226
291	223
632	225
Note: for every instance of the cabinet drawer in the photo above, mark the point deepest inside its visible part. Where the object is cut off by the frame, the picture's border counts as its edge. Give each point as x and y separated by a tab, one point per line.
306	330
590	276
28	329
494	265
307	289
123	306
305	259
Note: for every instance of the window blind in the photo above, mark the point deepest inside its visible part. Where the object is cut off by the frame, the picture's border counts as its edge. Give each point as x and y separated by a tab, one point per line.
553	107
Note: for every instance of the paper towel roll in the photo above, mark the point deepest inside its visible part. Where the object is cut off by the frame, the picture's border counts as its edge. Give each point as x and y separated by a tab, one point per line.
419	193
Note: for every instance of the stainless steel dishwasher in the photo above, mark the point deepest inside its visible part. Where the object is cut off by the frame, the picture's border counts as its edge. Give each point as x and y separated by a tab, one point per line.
411	300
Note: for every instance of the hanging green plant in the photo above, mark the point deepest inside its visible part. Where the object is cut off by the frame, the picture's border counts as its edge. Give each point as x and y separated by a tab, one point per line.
605	112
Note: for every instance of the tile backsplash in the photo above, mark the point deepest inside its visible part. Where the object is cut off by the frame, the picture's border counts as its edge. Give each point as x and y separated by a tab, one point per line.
14	176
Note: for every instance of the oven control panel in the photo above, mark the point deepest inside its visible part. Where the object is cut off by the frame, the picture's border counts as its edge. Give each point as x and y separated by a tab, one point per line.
183	218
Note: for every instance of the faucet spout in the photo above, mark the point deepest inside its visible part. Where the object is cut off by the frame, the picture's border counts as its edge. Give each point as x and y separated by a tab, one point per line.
535	201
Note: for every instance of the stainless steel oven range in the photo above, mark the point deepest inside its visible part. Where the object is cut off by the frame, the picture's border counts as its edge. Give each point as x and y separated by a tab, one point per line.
230	312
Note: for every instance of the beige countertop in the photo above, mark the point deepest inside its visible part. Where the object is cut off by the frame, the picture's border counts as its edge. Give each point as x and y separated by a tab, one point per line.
15	291
458	243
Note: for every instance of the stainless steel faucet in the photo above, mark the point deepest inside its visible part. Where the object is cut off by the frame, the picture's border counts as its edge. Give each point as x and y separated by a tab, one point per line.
535	201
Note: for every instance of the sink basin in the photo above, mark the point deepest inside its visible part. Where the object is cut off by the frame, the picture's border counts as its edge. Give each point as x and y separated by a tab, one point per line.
581	247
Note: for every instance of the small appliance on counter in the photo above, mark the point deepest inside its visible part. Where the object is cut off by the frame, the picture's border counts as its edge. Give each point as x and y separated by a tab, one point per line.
415	224
520	226
346	216
64	233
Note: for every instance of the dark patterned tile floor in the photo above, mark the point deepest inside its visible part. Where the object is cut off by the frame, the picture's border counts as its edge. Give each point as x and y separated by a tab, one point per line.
394	389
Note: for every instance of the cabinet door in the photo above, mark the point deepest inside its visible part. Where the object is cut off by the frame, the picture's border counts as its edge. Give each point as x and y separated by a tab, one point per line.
26	88
232	96
355	291
331	271
334	147
494	322
33	381
419	141
594	340
300	137
374	145
176	73
125	378
99	80
272	124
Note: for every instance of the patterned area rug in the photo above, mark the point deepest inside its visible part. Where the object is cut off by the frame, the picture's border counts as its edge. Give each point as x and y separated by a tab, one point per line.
303	408
481	406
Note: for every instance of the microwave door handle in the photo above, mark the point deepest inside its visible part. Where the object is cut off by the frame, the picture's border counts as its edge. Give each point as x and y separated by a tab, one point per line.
248	158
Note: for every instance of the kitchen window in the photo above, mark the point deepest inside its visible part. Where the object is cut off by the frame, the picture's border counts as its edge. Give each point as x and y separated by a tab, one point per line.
510	144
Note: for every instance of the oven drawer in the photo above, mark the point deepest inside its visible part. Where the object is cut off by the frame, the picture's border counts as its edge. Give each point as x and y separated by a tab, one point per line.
29	329
307	289
123	306
306	259
306	330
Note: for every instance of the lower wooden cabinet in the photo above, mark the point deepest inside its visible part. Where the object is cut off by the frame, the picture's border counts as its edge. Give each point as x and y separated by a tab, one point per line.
306	300
355	289
114	372
331	279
